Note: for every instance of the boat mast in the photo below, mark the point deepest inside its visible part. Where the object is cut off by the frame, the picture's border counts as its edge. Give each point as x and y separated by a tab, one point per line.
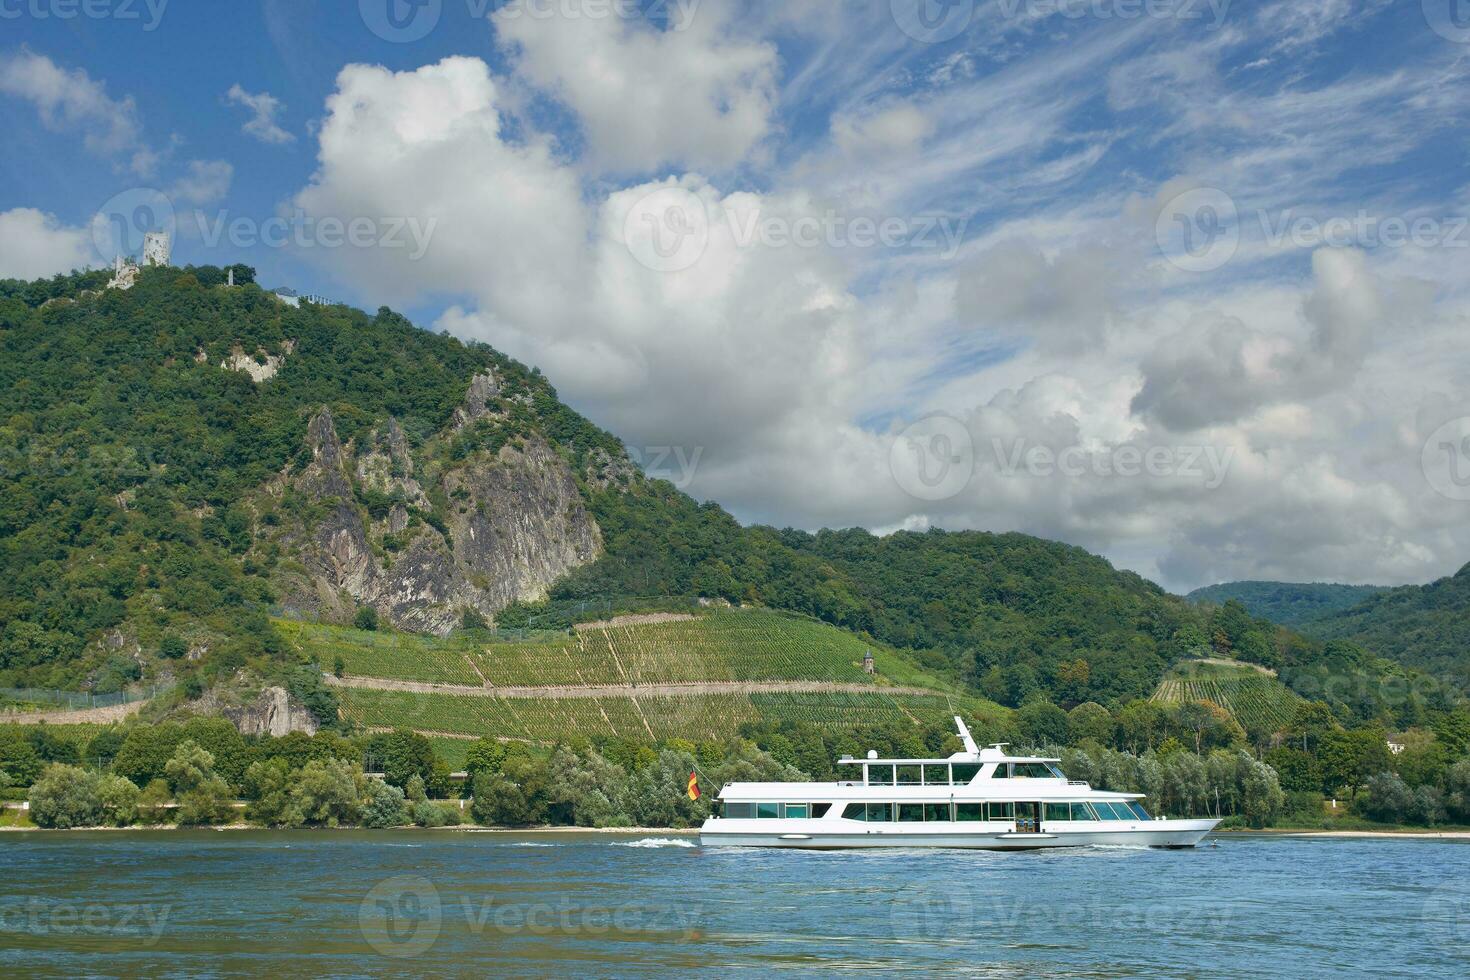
971	749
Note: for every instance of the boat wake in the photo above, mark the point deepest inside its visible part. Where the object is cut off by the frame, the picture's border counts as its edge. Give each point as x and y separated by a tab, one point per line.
655	842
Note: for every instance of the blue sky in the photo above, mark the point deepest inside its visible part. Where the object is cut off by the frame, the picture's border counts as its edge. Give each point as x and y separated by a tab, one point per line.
1111	232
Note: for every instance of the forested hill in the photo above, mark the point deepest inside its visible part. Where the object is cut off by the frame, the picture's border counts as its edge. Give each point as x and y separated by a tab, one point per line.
183	461
1424	626
1287	603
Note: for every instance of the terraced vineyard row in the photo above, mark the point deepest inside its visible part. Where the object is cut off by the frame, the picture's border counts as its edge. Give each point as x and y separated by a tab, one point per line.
550	720
695	717
736	645
1258	702
401	656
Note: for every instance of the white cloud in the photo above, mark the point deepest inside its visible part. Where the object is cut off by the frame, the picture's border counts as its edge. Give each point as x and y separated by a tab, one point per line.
72	101
1302	397
34	244
204	182
695	95
264	108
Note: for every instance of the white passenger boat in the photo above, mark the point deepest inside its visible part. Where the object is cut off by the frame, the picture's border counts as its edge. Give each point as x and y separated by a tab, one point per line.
978	798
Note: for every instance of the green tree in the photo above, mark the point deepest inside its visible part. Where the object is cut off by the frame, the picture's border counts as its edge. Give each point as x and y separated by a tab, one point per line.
329	793
146	750
18	756
1091	720
269	800
385	807
1042	723
117	800
204	797
66	796
366	618
1387	798
153	803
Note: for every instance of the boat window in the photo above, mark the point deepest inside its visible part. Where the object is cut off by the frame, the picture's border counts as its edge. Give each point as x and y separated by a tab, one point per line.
854	811
910	775
964	772
936	775
1030	770
740	811
911	813
820	809
964	812
880	775
1002	811
1081	812
1056	772
796	811
936	811
767	811
1058	811
1002	771
1138	810
880	812
1108	812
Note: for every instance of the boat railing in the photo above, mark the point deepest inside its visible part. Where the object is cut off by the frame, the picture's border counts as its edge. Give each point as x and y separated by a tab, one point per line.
1079	782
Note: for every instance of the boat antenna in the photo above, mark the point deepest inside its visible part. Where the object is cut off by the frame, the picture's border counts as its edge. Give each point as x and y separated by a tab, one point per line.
970	747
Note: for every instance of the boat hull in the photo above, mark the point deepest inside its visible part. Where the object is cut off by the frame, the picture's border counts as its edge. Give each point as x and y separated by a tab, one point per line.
1156	833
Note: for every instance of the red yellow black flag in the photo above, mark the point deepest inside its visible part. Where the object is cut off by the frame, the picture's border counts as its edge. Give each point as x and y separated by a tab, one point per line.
693	786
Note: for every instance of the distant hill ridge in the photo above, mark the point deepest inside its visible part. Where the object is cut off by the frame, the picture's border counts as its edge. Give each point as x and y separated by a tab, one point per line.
184	463
1287	603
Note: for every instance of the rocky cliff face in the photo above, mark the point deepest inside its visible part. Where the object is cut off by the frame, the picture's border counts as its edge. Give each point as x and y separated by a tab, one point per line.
423	540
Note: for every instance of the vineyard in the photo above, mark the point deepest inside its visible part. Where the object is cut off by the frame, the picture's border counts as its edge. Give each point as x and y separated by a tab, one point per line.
733	645
1258	701
722	647
657	717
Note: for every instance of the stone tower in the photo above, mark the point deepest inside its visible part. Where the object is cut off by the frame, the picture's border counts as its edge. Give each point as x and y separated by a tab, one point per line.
157	248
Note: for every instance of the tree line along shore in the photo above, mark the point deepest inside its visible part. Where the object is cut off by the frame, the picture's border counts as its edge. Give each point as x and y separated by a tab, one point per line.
203	772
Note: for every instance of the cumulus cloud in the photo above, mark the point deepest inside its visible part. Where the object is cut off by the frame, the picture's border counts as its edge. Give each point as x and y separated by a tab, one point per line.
1282	414
34	244
72	101
694	95
1218	369
264	108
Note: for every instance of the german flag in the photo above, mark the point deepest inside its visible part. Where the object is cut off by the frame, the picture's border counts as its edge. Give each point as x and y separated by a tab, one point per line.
693	786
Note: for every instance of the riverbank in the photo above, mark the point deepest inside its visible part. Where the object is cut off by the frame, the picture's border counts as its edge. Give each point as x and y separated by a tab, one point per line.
1408	834
461	828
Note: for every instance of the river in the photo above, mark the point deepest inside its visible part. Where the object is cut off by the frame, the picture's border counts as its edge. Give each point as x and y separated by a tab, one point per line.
286	904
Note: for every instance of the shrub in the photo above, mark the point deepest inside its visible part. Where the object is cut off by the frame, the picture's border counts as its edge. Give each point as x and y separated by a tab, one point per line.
65	796
1386	797
427	813
366	619
386	806
153	803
